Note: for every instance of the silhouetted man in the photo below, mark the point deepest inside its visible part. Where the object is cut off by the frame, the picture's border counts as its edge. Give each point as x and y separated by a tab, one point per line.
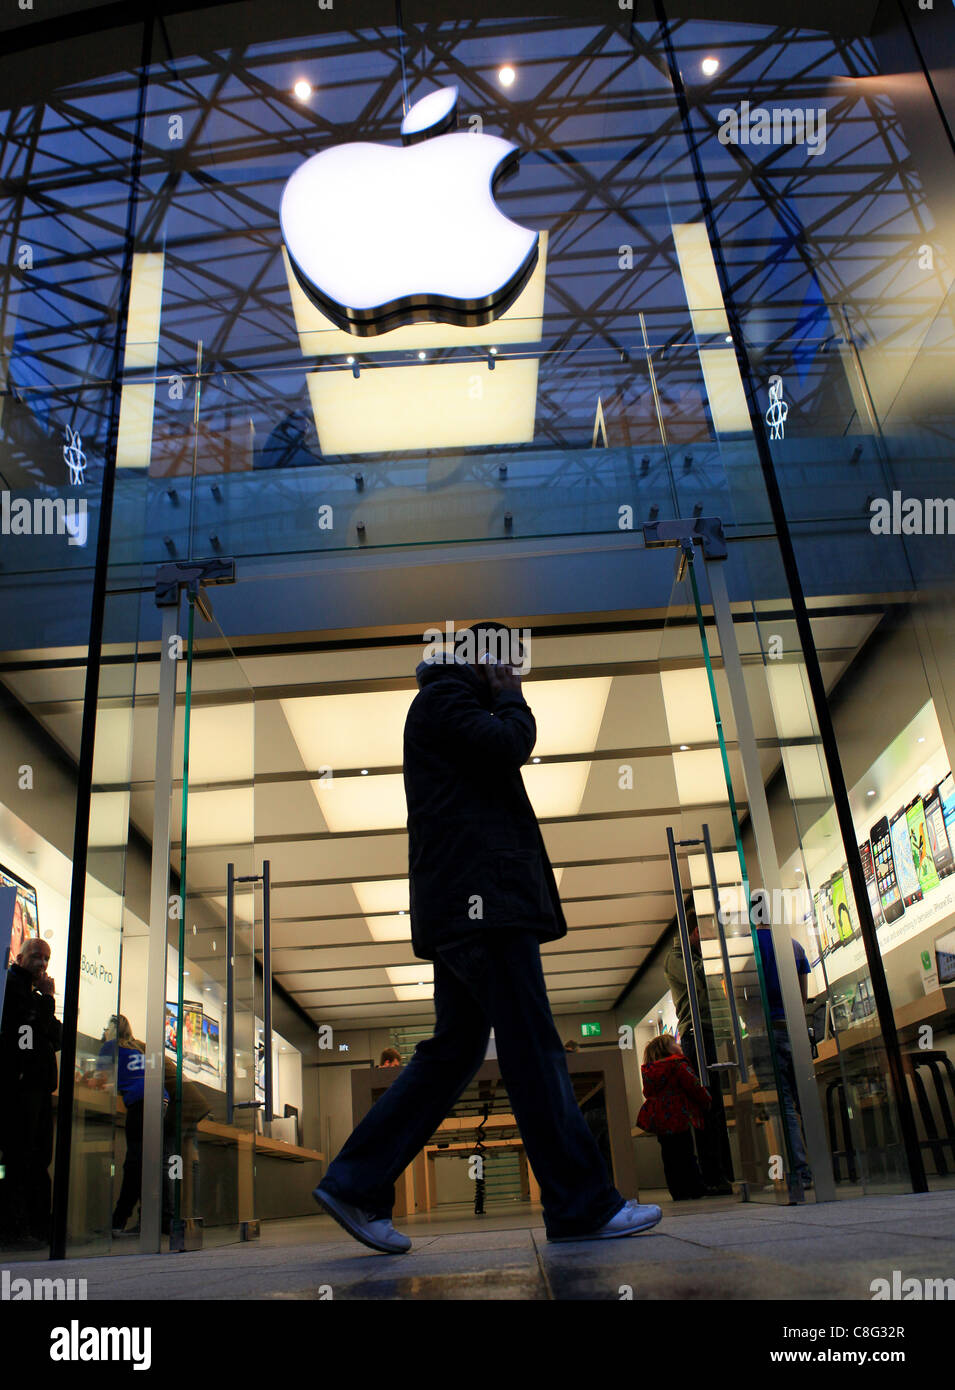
30	1037
483	897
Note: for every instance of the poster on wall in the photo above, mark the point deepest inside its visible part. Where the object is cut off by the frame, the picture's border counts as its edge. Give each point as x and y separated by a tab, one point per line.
210	1044
192	1032
25	917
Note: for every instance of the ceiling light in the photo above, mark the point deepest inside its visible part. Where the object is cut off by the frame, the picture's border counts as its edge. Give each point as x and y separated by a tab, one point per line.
536	760
507	76
728	338
349	360
493	351
422	356
709	66
870	793
364	772
921	740
303	89
684	747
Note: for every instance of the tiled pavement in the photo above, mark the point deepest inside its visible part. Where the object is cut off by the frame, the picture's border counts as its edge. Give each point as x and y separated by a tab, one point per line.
715	1249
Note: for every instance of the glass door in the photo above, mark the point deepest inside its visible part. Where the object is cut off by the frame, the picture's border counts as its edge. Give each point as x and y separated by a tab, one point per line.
729	1005
208	1127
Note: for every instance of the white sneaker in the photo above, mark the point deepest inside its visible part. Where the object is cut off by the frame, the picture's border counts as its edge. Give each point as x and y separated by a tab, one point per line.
378	1234
630	1220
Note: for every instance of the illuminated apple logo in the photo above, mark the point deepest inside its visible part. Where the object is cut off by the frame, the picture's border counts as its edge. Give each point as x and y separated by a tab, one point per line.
381	235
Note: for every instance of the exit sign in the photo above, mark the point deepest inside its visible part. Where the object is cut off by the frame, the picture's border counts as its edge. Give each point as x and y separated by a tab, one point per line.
590	1030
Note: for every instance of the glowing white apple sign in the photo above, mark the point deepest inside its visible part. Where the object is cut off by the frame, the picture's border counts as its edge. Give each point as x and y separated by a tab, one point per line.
380	235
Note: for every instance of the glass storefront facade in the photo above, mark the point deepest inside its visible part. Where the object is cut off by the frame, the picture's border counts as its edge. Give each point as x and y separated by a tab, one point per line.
227	523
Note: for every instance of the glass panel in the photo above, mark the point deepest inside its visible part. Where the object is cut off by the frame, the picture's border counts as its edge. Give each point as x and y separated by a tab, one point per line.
757	1146
213	1130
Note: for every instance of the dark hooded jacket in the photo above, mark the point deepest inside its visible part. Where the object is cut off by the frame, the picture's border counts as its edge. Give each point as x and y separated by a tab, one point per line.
31	1067
476	857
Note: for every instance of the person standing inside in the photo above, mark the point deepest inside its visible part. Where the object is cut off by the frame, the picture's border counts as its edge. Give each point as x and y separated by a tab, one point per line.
712	1140
674	1105
763	1047
129	1054
483	898
30	1036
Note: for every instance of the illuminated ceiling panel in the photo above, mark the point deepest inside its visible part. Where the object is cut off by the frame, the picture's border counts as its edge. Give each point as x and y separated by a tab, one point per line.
689	707
347	731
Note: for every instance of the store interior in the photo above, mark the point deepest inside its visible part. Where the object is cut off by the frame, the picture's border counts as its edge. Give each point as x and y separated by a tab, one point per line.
299	762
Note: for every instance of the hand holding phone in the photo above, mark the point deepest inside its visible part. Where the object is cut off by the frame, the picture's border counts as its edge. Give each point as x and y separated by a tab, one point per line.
501	678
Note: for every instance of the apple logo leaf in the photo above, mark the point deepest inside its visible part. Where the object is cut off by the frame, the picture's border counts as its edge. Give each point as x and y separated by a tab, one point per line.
432	115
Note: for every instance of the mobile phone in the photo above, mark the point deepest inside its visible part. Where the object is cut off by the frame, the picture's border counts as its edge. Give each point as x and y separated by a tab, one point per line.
921	850
820	925
829	934
884	861
908	879
946	791
841	912
938	837
872	888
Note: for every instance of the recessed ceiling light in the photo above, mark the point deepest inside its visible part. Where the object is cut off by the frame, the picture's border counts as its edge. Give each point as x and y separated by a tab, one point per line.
303	89
349	360
364	772
535	760
922	739
493	352
507	76
684	748
422	356
870	793
709	66
728	338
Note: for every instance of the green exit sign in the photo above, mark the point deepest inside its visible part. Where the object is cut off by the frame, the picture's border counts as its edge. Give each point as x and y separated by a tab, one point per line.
590	1030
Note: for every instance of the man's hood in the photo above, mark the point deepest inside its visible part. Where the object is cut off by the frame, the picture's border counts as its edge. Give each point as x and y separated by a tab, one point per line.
427	672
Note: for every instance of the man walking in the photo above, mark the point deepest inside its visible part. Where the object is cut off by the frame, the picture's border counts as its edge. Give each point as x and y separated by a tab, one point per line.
483	897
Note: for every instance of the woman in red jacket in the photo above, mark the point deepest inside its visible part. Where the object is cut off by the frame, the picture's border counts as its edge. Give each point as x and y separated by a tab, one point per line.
674	1105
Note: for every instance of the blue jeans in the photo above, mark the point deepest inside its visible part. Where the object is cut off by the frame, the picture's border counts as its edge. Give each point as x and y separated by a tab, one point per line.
788	1094
492	981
